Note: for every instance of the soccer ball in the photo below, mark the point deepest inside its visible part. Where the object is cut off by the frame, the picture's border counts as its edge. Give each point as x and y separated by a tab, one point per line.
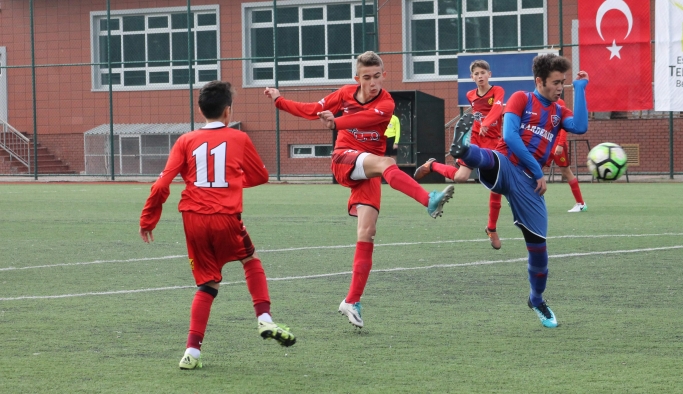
607	161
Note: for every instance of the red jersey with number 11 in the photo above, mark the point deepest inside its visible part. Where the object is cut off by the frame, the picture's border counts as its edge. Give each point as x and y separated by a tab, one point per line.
216	164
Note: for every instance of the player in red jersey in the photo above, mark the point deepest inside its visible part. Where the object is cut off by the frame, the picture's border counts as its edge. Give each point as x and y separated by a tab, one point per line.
216	163
358	161
562	160
487	108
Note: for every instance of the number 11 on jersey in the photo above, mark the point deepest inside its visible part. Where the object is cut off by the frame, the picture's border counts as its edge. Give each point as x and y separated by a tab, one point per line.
201	162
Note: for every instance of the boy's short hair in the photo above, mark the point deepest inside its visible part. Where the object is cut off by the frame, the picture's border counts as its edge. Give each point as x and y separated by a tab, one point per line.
214	97
481	64
545	64
368	59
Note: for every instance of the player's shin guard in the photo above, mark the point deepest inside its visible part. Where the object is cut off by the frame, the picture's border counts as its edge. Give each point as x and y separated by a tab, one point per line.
477	157
257	285
199	315
404	183
494	210
362	264
538	271
444	169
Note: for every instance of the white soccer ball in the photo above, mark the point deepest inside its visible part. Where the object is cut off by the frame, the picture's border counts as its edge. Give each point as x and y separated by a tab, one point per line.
607	161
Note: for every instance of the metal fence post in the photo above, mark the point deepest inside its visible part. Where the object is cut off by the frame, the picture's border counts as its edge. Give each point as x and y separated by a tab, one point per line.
277	86
190	53
35	109
111	96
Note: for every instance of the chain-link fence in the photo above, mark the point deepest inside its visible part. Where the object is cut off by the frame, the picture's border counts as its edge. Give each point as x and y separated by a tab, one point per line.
106	87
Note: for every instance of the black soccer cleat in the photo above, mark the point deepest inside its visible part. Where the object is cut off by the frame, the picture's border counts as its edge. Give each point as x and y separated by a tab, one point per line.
462	135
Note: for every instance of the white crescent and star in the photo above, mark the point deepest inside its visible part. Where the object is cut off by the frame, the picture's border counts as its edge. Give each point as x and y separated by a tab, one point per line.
619	5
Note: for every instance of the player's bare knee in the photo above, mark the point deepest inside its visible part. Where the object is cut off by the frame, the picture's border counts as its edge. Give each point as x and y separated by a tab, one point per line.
386	162
460	177
367	234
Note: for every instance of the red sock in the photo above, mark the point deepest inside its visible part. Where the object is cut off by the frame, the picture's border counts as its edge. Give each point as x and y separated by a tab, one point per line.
199	317
494	210
404	183
257	285
576	191
444	169
362	264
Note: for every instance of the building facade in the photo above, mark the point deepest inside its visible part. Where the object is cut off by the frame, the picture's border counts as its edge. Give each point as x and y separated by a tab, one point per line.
146	67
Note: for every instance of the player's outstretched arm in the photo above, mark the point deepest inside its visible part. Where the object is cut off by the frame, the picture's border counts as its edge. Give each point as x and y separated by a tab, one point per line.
303	110
578	124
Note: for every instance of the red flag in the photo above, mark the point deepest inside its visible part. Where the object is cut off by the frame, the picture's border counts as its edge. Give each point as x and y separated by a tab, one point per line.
614	48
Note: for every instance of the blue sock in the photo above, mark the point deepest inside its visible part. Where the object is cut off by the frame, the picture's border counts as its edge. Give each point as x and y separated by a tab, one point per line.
538	271
476	157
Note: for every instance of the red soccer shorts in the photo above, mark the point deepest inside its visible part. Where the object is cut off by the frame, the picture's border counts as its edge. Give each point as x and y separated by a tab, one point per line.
213	240
364	191
482	142
563	159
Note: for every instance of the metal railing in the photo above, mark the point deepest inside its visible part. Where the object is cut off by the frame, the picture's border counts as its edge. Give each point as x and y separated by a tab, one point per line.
16	144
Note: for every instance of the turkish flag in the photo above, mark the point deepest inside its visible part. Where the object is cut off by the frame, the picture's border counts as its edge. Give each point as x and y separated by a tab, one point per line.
614	48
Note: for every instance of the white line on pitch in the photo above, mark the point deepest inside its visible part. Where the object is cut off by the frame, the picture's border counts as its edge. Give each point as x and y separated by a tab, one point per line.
340	247
287	278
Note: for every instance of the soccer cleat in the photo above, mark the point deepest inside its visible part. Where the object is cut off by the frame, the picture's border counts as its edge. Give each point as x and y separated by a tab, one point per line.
579	207
437	199
493	237
544	313
278	332
189	362
424	169
352	312
462	135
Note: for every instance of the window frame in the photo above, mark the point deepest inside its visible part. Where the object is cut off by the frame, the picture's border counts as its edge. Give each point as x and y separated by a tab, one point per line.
409	59
312	155
95	34
248	67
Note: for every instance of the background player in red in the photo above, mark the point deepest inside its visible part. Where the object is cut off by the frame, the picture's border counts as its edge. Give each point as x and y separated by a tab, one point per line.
358	161
563	161
216	163
487	109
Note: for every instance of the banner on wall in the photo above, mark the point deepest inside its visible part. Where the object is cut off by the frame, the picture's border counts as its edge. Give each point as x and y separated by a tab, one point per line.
669	55
615	50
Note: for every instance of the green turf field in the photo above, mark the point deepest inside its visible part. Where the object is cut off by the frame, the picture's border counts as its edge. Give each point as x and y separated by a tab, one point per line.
87	307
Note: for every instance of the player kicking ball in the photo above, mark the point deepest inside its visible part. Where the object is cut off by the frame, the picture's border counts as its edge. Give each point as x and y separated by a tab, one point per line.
358	161
514	169
216	163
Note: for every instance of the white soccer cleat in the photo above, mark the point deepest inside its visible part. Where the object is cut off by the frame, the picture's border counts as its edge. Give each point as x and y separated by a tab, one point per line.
352	312
579	207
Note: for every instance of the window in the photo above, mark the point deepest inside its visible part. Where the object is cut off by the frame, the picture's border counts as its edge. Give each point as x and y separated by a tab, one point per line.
308	151
316	42
485	25
150	48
